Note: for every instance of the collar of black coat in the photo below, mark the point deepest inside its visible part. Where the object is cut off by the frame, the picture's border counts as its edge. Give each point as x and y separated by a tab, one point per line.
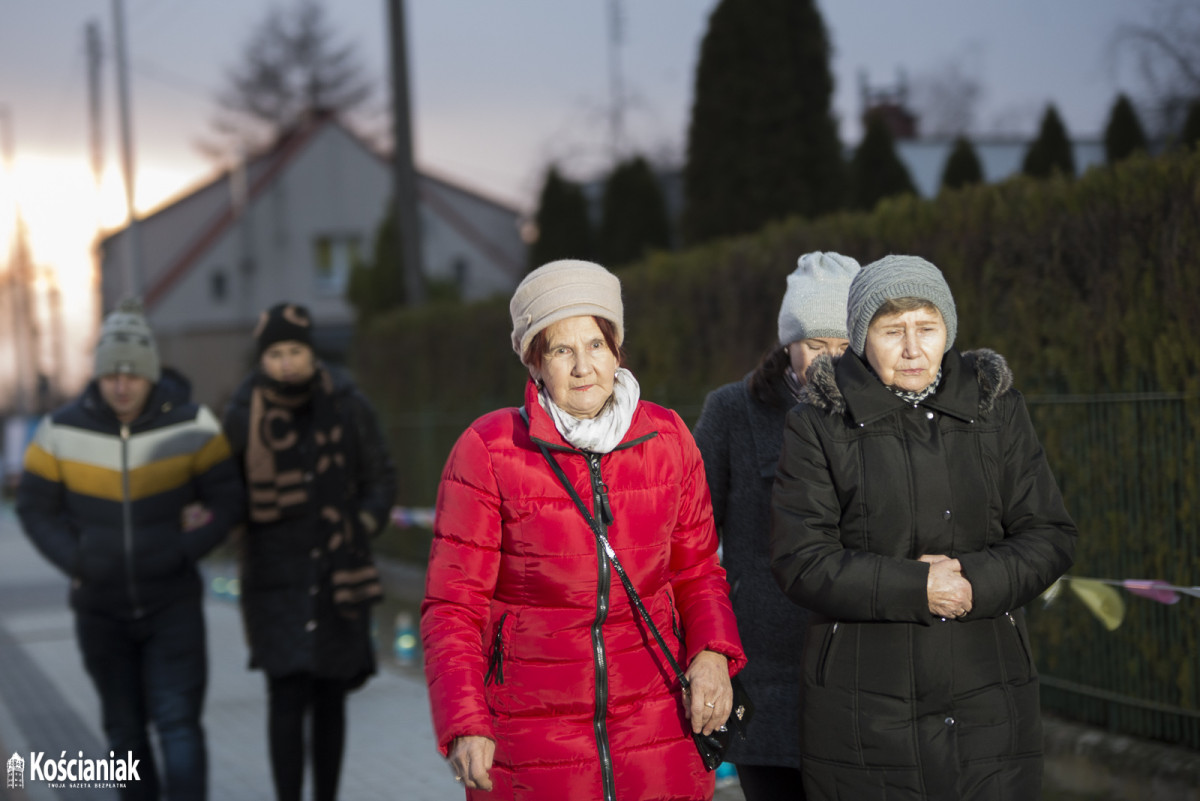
971	384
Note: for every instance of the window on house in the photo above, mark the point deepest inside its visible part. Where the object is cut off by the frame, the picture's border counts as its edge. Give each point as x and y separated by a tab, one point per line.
218	286
334	255
461	270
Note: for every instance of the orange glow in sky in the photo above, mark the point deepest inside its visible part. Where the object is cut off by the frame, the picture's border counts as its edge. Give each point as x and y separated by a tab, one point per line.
64	210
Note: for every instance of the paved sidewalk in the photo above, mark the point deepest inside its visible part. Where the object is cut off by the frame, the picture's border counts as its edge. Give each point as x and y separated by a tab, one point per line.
47	702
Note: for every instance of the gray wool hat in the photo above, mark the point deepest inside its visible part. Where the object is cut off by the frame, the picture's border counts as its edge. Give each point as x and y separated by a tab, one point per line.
814	304
894	277
562	289
126	344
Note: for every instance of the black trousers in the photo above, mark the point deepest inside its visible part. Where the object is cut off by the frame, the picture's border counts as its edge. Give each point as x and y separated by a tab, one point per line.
292	699
771	783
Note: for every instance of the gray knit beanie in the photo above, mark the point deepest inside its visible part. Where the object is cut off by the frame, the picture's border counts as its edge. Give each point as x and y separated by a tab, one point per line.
894	277
126	344
562	289
814	304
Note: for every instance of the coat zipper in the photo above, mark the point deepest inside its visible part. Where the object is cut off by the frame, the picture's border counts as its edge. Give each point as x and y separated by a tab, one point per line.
127	517
603	515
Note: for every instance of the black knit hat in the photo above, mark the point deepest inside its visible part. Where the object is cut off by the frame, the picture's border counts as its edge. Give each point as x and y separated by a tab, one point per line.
283	322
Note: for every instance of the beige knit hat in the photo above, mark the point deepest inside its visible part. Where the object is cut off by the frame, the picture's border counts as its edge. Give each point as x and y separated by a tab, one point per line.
562	289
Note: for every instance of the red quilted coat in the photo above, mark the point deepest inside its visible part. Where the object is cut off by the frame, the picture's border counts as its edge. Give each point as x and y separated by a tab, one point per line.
529	637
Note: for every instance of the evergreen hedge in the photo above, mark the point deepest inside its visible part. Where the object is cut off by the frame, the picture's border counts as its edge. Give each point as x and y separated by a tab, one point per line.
1087	286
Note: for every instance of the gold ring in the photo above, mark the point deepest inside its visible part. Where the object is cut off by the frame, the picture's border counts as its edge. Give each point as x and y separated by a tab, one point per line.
710	704
458	778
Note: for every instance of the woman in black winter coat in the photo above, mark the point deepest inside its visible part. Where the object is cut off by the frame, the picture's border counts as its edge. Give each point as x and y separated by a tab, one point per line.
914	513
740	435
319	483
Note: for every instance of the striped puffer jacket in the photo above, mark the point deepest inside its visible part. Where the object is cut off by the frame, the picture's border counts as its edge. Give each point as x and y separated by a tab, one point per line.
103	501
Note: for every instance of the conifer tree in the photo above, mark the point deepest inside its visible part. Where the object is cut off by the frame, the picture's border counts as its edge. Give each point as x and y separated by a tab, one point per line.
1124	134
1051	151
564	230
377	286
962	165
762	144
634	218
876	170
1191	126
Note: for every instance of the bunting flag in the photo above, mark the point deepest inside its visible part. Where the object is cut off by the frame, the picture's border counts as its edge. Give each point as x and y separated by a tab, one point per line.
408	516
1103	601
1106	603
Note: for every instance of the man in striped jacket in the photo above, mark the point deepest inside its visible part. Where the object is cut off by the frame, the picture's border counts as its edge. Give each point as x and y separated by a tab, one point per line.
124	490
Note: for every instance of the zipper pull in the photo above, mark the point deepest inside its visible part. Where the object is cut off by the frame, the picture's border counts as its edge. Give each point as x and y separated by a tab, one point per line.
606	512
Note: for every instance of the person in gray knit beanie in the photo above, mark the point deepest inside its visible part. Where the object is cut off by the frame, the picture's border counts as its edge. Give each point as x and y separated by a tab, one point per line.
894	277
127	345
562	289
814	305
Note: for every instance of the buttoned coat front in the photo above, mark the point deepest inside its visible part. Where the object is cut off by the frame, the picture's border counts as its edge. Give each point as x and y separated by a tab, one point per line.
898	703
529	637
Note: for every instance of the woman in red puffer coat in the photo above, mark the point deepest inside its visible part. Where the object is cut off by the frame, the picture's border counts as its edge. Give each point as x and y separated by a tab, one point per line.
544	682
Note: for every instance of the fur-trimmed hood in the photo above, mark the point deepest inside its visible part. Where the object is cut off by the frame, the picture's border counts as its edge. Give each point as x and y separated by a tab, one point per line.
990	369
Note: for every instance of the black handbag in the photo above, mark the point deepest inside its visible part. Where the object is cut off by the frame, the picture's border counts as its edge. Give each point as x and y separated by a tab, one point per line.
712	747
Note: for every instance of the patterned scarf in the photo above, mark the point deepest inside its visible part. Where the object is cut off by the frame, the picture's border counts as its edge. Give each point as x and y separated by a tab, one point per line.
282	486
916	396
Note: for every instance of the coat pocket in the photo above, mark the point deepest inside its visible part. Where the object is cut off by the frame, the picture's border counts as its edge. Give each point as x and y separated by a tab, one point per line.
829	645
1021	639
495	671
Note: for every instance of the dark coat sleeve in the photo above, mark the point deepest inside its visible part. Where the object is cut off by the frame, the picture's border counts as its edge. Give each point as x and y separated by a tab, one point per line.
376	479
41	503
1039	535
807	557
712	437
219	488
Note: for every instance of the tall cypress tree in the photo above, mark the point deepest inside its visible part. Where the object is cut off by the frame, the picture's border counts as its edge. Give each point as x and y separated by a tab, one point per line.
1124	135
876	171
1051	150
762	144
1190	135
377	286
962	165
635	214
564	230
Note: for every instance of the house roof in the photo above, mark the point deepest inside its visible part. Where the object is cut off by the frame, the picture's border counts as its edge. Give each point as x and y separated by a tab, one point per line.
263	170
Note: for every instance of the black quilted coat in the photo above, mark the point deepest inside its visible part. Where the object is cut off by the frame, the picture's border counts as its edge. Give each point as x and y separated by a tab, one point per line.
897	703
287	603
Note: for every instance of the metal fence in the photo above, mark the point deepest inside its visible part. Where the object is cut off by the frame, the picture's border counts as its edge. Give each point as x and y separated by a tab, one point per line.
1128	468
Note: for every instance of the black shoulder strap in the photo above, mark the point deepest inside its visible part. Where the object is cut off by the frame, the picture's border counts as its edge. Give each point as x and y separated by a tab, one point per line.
602	541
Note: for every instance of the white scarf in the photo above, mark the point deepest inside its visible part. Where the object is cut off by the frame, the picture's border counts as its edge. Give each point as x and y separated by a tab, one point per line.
602	433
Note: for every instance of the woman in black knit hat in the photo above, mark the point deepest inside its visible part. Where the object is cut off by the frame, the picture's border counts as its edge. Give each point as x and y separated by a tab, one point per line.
319	484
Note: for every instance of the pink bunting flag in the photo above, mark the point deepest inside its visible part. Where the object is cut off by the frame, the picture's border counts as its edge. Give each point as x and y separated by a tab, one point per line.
1159	591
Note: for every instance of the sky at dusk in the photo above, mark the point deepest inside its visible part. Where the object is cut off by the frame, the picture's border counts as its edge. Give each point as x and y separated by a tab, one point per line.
499	90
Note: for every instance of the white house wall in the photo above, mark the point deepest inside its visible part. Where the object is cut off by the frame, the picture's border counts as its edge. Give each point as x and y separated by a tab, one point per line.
459	228
332	187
